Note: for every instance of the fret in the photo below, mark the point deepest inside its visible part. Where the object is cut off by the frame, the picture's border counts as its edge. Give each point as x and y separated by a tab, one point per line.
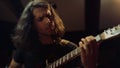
63	59
51	66
60	61
76	51
54	65
71	54
57	63
67	57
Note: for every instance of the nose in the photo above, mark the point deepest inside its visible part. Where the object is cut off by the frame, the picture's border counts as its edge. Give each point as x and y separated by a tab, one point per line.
51	23
47	20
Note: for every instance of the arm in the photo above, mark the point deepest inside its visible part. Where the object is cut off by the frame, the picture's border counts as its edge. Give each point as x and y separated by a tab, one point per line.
14	64
17	59
89	52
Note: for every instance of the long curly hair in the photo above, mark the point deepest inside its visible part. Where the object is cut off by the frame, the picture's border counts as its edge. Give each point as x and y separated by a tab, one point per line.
25	35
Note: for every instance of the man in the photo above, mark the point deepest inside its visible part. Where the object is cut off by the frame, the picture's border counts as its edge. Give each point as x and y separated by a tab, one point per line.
38	40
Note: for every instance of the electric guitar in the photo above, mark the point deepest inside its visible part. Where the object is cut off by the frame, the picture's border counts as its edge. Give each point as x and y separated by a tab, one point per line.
107	34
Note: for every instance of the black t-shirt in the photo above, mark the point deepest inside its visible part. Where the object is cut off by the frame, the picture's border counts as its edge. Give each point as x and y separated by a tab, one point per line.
43	53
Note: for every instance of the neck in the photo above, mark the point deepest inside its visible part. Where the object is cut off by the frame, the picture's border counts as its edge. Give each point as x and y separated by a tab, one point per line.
46	39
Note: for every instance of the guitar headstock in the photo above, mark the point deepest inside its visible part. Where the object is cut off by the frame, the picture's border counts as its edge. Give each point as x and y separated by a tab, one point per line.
109	33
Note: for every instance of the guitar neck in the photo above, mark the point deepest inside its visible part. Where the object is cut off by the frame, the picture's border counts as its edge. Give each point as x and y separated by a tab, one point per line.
69	56
110	33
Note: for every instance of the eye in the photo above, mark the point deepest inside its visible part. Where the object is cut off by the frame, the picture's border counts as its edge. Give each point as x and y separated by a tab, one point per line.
40	19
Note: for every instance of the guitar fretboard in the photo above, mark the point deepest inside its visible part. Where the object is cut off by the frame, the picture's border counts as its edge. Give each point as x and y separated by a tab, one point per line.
65	58
115	31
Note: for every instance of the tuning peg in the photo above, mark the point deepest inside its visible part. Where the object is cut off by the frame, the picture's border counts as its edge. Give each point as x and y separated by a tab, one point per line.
118	25
107	31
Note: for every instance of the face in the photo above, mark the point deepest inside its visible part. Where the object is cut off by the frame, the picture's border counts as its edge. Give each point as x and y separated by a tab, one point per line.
43	21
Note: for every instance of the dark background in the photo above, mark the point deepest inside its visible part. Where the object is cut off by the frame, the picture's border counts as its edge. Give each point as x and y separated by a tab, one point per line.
109	49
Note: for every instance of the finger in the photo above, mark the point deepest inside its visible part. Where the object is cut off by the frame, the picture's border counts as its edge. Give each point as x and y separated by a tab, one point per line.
84	42
90	44
92	47
94	44
83	52
82	48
